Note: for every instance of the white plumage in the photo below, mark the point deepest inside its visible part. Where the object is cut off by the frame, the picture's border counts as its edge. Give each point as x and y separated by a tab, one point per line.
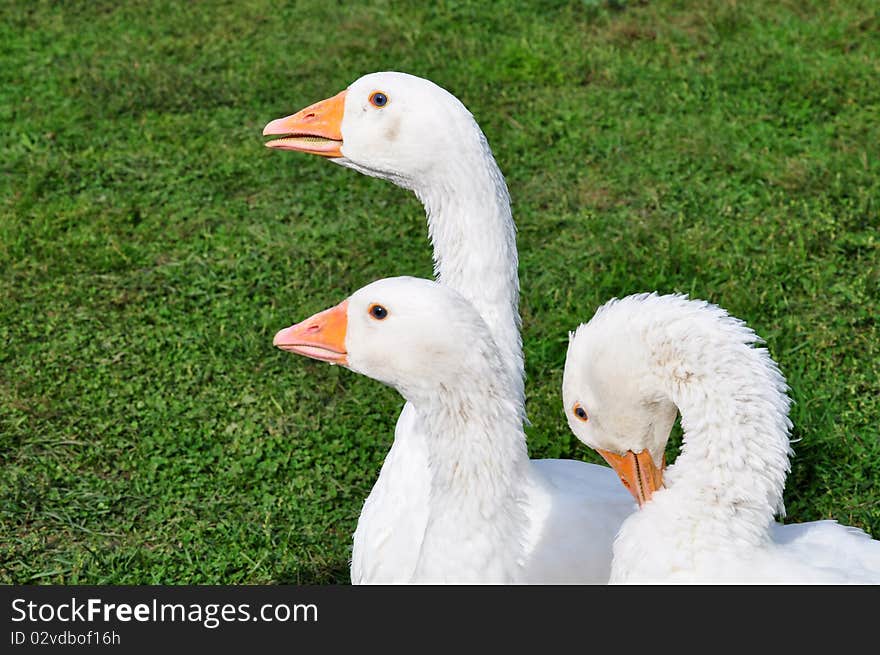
630	368
423	139
491	515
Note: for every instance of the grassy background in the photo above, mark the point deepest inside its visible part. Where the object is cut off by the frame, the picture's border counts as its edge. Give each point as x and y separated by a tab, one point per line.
150	247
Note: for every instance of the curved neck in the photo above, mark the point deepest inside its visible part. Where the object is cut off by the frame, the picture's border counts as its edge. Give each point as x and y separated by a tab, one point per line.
735	453
474	237
477	460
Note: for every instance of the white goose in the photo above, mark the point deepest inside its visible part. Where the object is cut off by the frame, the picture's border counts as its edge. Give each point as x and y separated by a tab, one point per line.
493	515
711	515
412	132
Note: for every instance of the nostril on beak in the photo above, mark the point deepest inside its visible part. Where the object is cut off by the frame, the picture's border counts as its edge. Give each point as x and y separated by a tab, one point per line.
313	328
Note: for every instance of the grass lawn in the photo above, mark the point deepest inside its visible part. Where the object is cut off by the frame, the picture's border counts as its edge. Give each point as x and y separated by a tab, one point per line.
150	247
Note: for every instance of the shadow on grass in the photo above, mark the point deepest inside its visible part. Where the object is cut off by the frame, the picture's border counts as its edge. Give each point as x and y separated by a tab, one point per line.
322	574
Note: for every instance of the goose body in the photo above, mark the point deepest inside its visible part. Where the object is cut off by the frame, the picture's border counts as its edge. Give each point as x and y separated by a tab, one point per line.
492	515
709	517
419	136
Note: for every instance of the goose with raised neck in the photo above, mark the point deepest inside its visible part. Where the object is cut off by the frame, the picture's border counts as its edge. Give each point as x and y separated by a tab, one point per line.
412	132
492	514
709	517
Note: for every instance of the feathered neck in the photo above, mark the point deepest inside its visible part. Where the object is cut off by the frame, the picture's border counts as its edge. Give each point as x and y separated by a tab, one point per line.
478	462
474	237
729	477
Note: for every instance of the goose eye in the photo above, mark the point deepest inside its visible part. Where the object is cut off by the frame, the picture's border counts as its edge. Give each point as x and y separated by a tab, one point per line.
377	311
379	99
580	412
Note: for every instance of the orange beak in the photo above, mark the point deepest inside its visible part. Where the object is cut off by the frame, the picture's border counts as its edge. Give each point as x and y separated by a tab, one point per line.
638	472
320	337
317	129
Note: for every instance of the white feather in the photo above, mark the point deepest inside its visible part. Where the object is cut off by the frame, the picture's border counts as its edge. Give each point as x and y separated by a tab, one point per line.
645	355
491	515
425	140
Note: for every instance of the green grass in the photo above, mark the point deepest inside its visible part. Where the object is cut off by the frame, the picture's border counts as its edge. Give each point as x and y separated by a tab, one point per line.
150	247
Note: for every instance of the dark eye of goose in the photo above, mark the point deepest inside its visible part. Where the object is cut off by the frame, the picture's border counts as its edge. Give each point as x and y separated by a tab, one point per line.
379	99
377	311
580	412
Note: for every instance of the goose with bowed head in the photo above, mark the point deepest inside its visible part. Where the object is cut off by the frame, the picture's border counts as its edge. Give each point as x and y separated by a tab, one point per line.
492	514
410	131
709	517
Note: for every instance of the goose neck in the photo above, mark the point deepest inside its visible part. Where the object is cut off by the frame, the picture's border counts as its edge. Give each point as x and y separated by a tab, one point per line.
474	238
735	452
477	461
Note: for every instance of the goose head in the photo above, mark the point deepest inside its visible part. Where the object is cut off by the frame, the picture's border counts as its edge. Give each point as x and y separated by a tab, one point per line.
613	403
412	334
391	125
